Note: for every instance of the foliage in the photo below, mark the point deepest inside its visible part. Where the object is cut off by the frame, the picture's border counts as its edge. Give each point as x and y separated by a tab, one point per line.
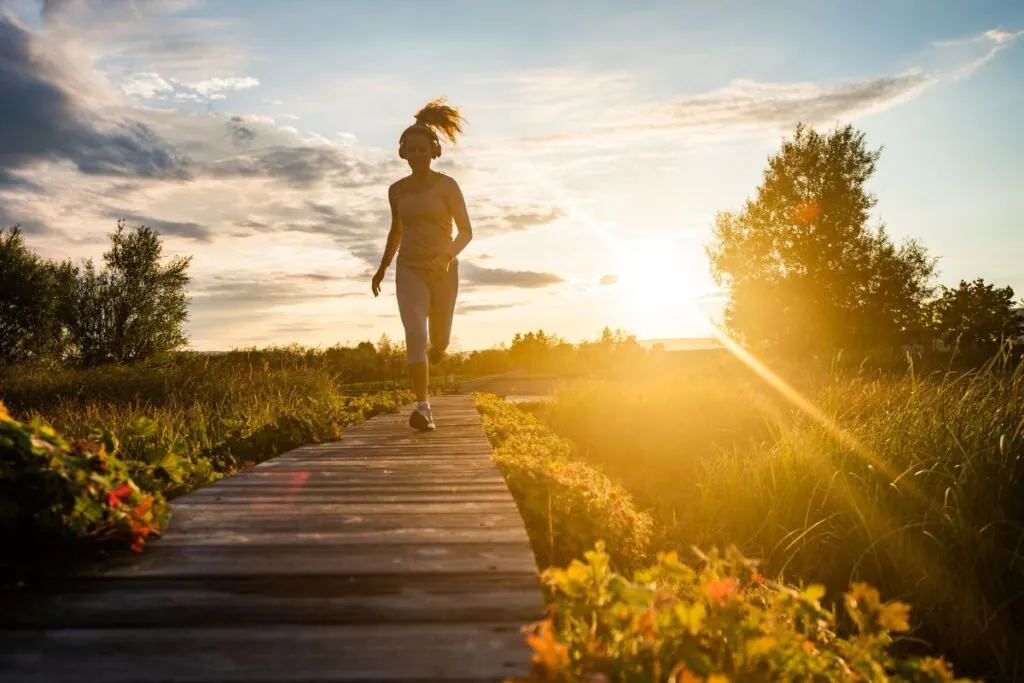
28	315
721	622
55	493
566	504
131	310
977	316
805	272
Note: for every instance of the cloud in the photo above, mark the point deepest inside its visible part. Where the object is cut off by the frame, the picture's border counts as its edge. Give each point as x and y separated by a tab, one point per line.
248	294
153	36
52	8
750	105
609	279
188	230
478	276
148	85
14	181
994	40
997	36
41	121
481	308
304	167
28	225
241	134
213	86
494	218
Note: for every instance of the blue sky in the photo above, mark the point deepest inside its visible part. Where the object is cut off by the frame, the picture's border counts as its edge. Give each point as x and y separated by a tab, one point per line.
259	136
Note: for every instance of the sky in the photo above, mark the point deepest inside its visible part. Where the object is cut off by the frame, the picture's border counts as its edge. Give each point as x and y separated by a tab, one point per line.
260	136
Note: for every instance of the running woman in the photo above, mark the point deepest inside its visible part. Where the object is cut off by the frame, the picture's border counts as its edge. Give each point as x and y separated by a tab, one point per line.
423	206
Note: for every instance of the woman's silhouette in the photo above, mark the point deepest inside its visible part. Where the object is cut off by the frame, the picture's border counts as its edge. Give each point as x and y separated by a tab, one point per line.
423	206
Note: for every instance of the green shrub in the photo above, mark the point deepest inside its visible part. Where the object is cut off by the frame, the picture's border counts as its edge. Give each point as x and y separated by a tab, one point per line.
57	494
566	505
721	622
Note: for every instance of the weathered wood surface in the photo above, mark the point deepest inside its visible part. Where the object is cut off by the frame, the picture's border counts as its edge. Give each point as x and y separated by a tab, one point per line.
387	556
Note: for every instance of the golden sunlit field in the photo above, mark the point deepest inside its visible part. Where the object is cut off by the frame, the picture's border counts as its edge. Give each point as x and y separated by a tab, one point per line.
905	482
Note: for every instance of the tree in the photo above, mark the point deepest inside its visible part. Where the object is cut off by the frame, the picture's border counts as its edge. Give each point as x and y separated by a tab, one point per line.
29	329
131	310
533	350
977	316
805	272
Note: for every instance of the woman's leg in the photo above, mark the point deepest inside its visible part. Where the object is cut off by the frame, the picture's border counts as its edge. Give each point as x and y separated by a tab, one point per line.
443	294
413	295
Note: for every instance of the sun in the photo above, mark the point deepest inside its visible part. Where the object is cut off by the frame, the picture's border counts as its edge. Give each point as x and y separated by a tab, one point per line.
657	290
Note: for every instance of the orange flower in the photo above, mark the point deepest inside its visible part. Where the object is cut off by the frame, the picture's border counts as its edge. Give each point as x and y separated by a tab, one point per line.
549	655
722	589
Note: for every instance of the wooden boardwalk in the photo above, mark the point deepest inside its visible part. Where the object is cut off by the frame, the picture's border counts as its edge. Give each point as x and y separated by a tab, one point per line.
387	556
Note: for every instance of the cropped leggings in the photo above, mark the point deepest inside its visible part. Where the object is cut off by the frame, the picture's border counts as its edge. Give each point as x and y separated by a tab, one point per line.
426	304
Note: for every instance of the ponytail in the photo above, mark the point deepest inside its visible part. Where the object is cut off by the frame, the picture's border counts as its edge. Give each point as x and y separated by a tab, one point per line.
440	118
435	117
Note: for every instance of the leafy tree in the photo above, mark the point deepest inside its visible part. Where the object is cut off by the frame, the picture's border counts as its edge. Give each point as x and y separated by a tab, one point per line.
977	316
533	350
28	321
805	272
131	310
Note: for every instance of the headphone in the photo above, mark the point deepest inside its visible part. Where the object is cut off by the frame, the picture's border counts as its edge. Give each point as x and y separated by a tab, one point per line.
435	144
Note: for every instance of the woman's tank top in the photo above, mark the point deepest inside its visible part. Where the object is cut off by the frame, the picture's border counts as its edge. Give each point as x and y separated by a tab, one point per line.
426	224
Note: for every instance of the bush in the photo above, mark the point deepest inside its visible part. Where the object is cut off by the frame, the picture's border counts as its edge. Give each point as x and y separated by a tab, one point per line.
723	622
56	494
566	505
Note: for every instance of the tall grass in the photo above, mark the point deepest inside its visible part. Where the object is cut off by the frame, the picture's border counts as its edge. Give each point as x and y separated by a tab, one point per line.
213	416
912	484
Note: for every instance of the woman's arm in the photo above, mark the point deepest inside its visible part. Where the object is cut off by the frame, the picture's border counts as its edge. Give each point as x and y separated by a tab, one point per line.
394	239
395	234
457	205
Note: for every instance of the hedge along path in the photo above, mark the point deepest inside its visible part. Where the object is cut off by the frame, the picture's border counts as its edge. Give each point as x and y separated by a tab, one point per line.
389	555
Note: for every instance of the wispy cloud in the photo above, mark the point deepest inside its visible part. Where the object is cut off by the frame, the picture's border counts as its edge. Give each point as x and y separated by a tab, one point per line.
996	36
992	41
479	276
747	105
190	230
464	309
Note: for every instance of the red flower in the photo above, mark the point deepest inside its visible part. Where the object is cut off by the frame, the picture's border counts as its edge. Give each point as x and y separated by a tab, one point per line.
115	496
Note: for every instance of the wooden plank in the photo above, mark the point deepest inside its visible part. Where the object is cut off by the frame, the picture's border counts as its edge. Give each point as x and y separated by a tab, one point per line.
341	487
254	560
184	524
401	477
387	652
298	535
296	497
239	513
233	600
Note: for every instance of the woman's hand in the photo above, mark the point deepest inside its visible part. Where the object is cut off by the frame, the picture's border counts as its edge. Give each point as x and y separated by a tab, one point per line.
440	263
377	279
